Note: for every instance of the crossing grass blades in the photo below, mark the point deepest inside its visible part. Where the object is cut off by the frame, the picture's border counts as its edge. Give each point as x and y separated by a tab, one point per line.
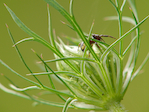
98	82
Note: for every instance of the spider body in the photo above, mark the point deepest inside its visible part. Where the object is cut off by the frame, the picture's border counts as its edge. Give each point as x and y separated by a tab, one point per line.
94	36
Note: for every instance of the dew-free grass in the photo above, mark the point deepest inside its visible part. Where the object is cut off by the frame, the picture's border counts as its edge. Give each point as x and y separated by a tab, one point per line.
96	78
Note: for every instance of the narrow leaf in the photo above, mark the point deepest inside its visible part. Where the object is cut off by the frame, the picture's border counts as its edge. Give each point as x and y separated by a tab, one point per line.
26	97
74	24
67	103
28	31
13	92
69	58
23	89
57	72
24	40
50	28
122	37
123	4
46	88
140	67
124	18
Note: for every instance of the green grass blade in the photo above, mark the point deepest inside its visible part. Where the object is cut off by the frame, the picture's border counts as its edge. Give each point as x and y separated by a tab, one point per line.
69	58
21	24
26	97
84	55
58	7
52	84
18	87
67	103
28	31
50	28
71	20
124	18
24	89
134	59
34	83
24	40
71	9
38	38
133	7
138	40
20	55
122	37
123	4
68	25
140	67
57	72
13	92
129	46
113	4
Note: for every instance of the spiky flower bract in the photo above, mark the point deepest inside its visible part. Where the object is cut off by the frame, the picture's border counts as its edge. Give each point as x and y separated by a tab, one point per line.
95	77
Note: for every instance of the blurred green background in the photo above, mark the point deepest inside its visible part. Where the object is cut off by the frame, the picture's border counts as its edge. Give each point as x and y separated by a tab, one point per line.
34	15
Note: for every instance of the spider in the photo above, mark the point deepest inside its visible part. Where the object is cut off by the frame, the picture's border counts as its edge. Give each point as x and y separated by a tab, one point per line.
94	36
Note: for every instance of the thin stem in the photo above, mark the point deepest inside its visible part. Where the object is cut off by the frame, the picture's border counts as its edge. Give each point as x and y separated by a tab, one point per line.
56	74
52	84
20	55
68	102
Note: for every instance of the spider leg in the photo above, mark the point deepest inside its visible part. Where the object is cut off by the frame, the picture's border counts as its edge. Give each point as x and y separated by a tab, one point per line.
106	36
97	46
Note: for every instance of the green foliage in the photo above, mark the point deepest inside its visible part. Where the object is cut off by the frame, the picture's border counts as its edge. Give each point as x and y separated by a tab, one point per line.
95	79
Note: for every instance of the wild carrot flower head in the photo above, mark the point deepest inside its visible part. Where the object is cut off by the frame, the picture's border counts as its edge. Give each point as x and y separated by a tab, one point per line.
93	71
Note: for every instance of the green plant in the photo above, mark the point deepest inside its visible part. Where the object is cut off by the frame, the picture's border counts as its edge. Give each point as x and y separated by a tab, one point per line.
96	78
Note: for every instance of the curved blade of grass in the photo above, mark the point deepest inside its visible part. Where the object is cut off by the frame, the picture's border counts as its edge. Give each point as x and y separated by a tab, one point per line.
13	92
28	31
26	97
123	4
74	24
68	25
3	88
34	83
71	9
133	7
84	55
83	70
114	5
23	59
52	84
122	37
38	38
127	81
50	30
101	75
24	40
18	87
124	18
85	77
129	46
140	67
57	72
21	55
138	41
69	58
24	89
67	103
